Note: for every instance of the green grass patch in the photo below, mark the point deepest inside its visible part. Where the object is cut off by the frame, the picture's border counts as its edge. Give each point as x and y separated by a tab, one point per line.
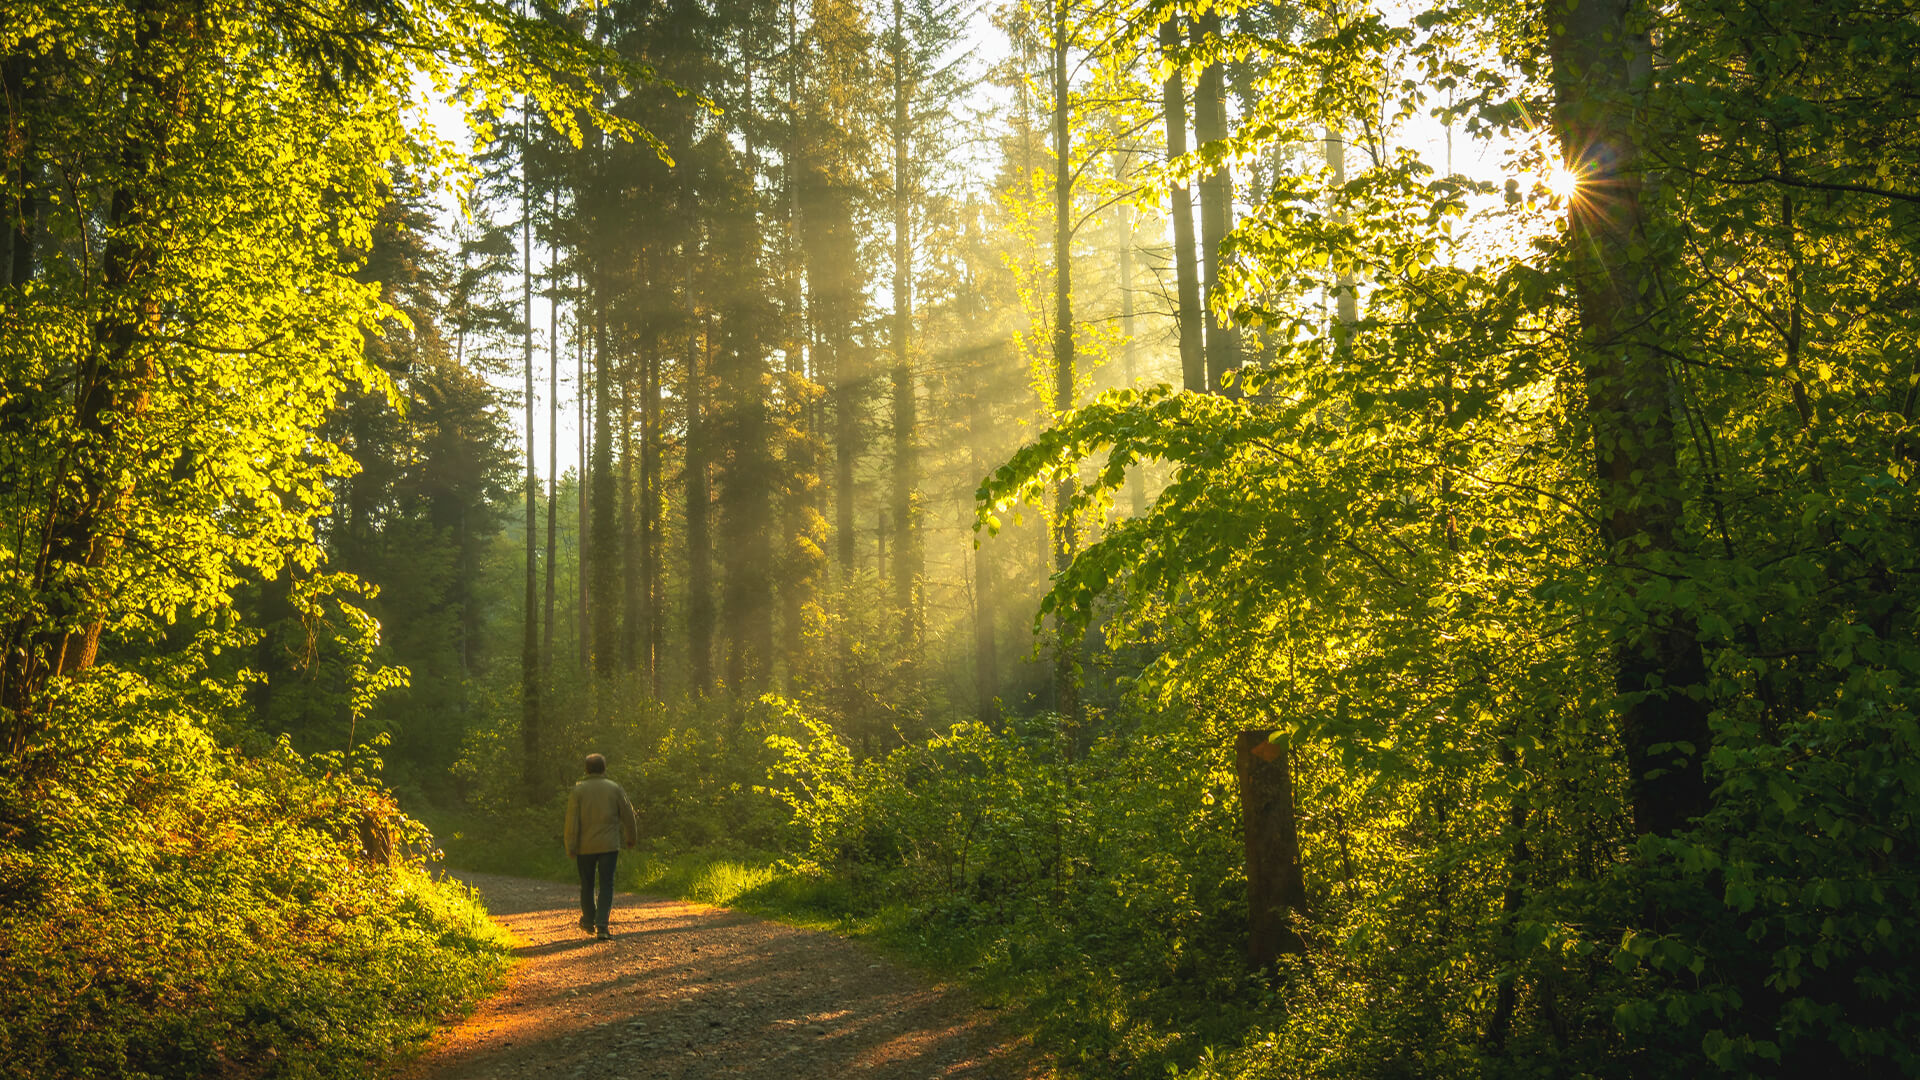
754	882
526	843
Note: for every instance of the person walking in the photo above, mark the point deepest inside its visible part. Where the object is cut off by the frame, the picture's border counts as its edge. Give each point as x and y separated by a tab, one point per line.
599	823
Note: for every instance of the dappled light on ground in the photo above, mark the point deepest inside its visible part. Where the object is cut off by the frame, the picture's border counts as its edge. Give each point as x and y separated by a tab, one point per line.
686	990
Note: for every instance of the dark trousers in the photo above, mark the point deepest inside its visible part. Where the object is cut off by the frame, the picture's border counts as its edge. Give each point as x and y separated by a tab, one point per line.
597	909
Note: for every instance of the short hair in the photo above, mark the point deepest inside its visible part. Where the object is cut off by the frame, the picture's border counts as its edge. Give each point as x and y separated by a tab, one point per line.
596	763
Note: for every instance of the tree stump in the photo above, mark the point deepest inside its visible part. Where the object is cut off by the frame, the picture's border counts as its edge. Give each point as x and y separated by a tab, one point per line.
376	838
1275	887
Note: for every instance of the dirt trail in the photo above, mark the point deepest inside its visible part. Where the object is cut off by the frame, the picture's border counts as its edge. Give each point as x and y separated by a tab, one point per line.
686	990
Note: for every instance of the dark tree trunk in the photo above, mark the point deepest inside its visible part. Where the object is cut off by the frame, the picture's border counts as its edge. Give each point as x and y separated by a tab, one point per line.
1602	65
846	449
905	513
1129	352
1216	213
1513	896
553	471
986	648
1193	361
650	616
1276	890
23	200
530	734
699	554
604	504
80	532
582	395
632	603
1066	657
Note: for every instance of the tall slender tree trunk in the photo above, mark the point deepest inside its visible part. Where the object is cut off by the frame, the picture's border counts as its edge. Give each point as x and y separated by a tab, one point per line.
1186	271
633	615
23	212
1066	659
746	489
1513	896
553	461
1602	67
801	441
648	633
801	567
1216	212
530	733
699	543
632	542
581	397
846	448
1346	302
906	549
986	646
603	504
1129	352
80	531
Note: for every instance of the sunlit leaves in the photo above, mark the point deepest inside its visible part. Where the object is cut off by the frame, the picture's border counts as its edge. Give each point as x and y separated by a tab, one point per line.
208	180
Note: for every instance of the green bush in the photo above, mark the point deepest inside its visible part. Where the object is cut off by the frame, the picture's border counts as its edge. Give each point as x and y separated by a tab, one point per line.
169	908
696	776
1097	887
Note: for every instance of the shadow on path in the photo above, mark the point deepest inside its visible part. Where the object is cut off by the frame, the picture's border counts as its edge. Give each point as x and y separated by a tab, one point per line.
687	991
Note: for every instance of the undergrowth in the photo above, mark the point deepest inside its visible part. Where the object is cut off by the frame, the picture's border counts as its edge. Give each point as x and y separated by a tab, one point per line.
172	910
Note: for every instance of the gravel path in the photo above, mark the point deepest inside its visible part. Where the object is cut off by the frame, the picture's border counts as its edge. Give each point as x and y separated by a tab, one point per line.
691	991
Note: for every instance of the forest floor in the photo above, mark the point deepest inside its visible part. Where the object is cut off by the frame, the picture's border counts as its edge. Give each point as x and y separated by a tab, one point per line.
686	990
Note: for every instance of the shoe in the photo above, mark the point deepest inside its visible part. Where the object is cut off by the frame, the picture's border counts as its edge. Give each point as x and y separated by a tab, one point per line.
586	924
604	936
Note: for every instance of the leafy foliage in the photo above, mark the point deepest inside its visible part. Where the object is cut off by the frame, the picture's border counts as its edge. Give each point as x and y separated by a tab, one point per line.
172	909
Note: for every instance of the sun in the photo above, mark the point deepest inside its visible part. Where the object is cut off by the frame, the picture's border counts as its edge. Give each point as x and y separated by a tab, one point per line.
1562	181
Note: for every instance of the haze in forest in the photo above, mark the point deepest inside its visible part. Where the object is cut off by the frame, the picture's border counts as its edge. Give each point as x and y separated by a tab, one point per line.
1267	540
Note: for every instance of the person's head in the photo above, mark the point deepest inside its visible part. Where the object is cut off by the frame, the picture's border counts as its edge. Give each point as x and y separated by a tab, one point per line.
596	765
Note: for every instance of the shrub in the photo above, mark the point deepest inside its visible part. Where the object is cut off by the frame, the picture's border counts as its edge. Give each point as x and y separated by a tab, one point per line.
170	908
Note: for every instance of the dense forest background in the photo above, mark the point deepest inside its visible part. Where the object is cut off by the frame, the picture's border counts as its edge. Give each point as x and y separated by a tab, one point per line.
1281	539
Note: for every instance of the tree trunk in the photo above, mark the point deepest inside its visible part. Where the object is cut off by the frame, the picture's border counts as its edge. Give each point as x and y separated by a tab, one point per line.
1276	890
530	642
1346	302
1129	351
553	469
743	452
1216	214
581	396
1506	998
22	209
799	564
906	553
846	449
699	555
986	648
605	529
632	613
1066	659
1602	65
650	631
1193	361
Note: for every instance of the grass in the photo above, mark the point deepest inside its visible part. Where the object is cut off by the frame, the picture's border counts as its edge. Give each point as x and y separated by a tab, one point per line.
753	882
525	844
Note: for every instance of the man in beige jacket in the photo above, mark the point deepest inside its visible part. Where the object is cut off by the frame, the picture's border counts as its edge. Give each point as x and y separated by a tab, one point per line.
599	823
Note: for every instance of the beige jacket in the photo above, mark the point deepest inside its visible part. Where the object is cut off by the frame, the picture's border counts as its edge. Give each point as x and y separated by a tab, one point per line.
599	818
